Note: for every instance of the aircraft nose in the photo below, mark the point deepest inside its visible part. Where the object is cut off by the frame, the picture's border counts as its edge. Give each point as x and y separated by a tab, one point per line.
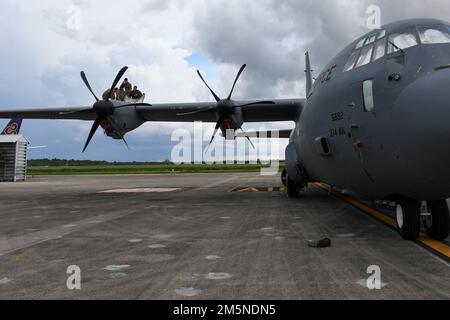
421	116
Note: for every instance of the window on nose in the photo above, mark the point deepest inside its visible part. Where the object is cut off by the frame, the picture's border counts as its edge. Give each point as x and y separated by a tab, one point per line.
431	35
402	41
364	58
369	105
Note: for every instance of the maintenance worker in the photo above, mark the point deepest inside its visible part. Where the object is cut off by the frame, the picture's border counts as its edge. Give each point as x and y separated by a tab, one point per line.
135	93
126	85
112	95
121	94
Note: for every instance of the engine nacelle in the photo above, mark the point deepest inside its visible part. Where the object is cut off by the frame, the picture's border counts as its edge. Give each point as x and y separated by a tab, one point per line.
232	123
123	121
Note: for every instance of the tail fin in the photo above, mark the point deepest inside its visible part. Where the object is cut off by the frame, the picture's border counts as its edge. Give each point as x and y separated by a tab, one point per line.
13	127
308	72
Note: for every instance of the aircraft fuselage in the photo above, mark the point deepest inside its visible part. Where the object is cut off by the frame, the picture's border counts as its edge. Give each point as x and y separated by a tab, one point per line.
395	143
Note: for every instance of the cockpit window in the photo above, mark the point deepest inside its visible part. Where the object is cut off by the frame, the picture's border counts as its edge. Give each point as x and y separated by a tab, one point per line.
381	34
360	43
402	41
366	50
379	49
430	35
364	58
351	61
371	39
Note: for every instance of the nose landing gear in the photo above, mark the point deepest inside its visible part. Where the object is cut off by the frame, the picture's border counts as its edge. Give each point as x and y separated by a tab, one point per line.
293	187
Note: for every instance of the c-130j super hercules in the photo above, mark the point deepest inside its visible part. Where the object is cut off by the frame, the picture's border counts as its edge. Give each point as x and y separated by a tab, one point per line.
376	121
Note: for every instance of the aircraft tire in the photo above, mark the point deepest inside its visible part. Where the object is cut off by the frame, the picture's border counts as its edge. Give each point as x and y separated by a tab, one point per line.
293	190
440	221
408	219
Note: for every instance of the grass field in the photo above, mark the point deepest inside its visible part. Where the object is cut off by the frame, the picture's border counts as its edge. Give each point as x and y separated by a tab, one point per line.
141	169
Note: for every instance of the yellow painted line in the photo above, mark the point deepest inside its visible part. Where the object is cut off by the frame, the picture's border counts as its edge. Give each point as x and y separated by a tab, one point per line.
19	256
439	247
373	212
249	190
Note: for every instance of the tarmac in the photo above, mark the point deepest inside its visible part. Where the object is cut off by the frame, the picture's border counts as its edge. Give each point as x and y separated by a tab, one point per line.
200	236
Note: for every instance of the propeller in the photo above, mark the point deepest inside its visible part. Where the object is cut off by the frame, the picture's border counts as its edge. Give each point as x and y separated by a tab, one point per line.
103	108
225	108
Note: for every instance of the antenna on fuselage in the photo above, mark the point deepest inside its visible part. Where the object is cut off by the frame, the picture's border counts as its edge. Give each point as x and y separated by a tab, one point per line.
308	72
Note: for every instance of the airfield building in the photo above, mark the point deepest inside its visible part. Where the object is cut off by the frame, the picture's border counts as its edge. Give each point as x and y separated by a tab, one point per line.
13	158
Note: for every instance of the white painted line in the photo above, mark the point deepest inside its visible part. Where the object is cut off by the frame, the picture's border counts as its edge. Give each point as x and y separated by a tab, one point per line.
188	292
156	246
218	276
135	240
116	267
213	257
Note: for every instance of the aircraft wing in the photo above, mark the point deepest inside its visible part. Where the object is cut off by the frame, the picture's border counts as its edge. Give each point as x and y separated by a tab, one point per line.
80	113
277	110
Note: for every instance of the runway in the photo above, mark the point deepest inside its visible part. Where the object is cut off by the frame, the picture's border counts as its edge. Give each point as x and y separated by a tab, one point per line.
195	236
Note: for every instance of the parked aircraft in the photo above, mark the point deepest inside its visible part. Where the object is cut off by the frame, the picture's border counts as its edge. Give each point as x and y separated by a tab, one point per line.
375	121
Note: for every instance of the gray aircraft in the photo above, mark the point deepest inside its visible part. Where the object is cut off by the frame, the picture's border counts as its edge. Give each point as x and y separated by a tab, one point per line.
375	121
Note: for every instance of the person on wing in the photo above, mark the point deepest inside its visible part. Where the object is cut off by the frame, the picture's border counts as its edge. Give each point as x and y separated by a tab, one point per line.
112	95
126	86
135	93
121	94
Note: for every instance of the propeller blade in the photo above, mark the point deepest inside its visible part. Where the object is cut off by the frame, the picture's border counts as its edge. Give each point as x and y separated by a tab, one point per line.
235	80
117	79
196	111
218	125
256	103
94	128
123	139
248	138
213	93
119	133
86	82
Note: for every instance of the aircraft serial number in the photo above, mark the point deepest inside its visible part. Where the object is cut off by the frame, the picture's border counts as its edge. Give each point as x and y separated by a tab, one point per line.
337	132
337	116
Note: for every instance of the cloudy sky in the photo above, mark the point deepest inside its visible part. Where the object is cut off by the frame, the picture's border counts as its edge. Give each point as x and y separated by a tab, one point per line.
164	42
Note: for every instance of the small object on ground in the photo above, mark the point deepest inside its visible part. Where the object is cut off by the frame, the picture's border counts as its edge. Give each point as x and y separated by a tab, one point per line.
322	243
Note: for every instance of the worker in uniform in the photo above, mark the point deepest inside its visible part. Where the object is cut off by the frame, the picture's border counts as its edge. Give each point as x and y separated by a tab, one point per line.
111	95
135	93
121	94
126	86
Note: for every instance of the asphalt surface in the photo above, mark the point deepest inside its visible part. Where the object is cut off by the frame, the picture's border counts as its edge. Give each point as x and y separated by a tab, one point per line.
199	241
